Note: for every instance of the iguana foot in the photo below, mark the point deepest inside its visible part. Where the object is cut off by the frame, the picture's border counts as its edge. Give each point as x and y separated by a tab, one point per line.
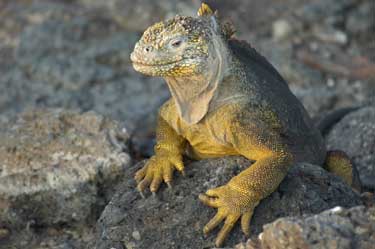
232	204
159	168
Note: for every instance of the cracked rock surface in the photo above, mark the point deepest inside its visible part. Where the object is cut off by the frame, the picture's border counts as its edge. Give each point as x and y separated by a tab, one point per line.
57	166
175	218
74	58
338	228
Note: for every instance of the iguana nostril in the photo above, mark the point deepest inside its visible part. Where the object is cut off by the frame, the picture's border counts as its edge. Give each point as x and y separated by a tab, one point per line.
148	49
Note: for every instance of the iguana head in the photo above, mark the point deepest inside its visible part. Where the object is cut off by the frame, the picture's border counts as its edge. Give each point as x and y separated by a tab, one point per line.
179	46
191	53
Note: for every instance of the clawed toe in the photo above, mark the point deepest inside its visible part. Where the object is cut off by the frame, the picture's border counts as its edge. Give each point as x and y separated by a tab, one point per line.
141	193
169	184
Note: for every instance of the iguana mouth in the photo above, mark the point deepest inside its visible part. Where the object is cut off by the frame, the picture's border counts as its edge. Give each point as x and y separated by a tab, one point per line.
155	69
139	60
142	63
182	67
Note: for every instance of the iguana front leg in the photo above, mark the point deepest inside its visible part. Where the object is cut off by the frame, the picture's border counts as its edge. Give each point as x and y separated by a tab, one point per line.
238	198
168	157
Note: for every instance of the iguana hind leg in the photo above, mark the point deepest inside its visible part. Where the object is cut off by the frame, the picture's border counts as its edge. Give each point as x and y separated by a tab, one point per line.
339	163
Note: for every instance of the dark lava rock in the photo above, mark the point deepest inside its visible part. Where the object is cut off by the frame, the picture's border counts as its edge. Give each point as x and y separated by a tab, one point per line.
139	15
330	12
175	218
355	134
337	228
361	19
317	93
77	58
49	238
58	167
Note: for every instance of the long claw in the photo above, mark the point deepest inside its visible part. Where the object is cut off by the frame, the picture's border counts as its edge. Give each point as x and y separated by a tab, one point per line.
214	222
169	185
142	195
245	222
224	232
222	235
144	183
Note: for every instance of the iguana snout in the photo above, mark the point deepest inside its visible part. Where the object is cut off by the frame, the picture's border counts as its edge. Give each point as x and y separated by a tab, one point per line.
169	59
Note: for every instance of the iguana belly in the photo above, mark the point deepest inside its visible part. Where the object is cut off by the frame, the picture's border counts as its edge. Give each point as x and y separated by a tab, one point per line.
202	144
206	138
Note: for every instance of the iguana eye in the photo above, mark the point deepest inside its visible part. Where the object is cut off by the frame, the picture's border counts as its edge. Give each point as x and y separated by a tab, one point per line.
175	43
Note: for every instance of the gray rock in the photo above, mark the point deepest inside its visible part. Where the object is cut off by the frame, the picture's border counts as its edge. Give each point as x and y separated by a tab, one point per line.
74	52
281	29
77	58
4	233
355	134
329	12
58	167
283	59
139	15
50	238
256	16
330	35
361	19
176	217
320	98
317	93
316	99
337	228
143	137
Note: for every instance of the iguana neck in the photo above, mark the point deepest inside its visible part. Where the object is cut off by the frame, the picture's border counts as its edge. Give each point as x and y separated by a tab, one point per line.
193	94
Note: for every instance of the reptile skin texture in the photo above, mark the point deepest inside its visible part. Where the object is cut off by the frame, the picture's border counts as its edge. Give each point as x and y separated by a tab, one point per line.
226	100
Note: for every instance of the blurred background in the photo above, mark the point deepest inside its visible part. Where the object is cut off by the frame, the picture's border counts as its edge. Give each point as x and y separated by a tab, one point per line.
74	54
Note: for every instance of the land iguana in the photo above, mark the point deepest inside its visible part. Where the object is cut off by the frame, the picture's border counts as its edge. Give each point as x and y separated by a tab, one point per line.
226	100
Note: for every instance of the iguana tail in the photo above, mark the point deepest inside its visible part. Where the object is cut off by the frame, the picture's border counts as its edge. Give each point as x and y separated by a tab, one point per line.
325	124
338	162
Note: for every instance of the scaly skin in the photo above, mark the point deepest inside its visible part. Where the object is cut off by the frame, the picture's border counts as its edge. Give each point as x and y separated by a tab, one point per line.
226	100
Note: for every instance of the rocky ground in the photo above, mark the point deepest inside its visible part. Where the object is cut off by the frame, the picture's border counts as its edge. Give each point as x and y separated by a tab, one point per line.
175	218
75	117
334	228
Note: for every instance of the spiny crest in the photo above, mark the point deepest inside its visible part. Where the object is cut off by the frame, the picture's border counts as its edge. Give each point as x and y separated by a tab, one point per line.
205	10
227	28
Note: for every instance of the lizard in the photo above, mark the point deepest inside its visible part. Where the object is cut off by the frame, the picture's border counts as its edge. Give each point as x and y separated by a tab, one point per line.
226	99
